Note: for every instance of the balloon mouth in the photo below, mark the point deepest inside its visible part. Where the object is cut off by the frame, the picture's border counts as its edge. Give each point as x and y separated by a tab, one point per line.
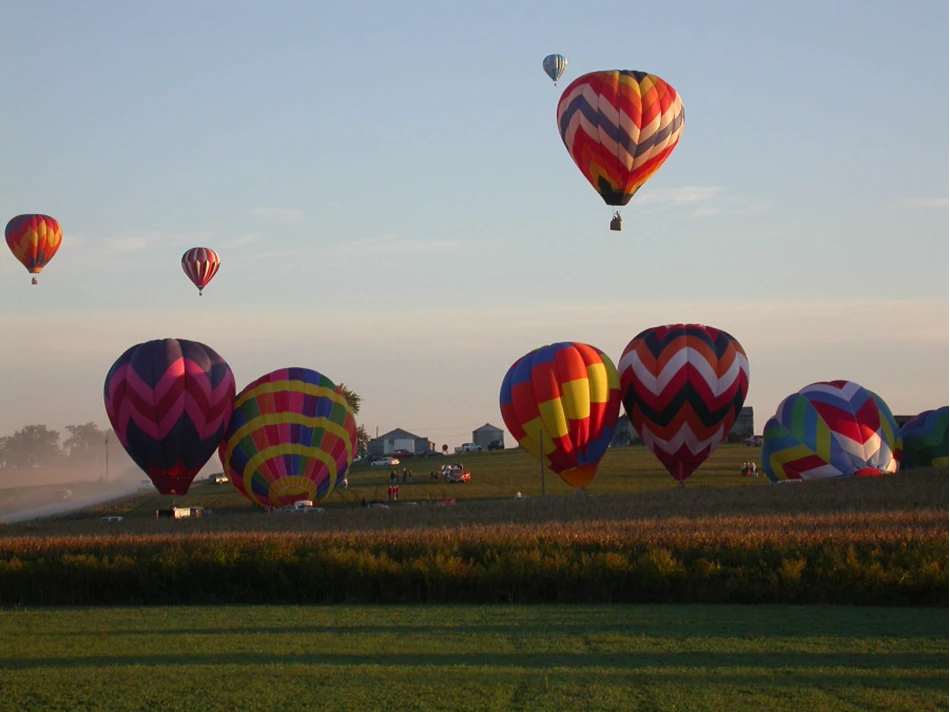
868	472
176	485
579	477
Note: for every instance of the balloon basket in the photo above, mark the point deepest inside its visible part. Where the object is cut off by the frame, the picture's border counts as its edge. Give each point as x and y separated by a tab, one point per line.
34	281
616	223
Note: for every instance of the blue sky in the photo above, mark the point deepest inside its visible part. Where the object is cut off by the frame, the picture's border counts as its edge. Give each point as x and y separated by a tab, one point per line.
393	205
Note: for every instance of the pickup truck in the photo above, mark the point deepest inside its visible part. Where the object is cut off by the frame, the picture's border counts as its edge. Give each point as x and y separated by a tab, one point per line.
468	447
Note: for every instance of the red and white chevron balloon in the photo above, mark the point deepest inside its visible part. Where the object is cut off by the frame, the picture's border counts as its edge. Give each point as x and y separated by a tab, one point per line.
683	386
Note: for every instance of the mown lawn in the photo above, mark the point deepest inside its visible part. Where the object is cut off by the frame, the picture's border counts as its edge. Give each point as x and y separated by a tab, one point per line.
727	658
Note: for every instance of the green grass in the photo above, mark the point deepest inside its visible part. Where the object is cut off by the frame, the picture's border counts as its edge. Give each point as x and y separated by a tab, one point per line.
475	658
495	475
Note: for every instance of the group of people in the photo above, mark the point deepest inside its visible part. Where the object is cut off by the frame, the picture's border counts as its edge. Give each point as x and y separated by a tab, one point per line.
406	477
749	469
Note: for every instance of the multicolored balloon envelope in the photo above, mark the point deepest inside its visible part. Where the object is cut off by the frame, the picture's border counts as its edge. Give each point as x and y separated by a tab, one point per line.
925	440
683	386
200	264
169	402
830	429
292	437
619	127
561	403
34	240
554	66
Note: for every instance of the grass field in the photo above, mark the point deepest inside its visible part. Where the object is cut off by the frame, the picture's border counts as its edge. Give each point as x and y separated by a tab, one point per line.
536	658
495	475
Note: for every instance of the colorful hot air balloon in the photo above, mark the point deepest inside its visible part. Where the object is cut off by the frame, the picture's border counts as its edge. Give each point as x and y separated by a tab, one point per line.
925	440
201	265
554	66
683	386
830	429
169	402
292	437
564	399
619	127
34	239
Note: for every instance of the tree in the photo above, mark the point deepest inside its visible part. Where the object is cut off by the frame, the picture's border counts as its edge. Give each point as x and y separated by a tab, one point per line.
362	440
355	401
32	445
352	398
86	443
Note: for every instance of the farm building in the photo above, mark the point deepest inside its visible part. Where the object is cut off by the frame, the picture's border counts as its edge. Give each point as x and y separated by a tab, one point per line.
486	434
624	434
744	427
397	439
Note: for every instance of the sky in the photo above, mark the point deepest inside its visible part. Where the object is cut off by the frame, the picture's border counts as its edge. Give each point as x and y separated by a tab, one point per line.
394	208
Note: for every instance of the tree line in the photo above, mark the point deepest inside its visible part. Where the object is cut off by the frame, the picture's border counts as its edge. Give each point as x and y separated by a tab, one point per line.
85	444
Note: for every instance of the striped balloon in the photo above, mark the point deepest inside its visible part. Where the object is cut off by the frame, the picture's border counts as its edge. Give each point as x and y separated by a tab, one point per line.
201	265
169	402
619	127
925	440
34	240
561	403
683	386
292	437
830	429
554	66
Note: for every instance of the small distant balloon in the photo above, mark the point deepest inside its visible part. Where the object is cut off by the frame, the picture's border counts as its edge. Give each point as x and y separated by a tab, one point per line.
200	264
554	66
830	429
34	239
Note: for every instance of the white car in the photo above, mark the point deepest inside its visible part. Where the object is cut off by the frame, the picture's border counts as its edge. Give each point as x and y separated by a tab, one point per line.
384	462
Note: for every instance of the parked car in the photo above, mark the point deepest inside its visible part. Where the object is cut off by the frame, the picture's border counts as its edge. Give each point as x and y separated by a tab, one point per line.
458	477
468	447
496	445
385	462
402	454
218	478
754	441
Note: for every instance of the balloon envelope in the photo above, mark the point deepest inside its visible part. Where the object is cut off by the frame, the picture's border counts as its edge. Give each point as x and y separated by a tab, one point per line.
554	66
683	386
292	437
925	440
169	402
830	429
33	239
200	264
563	399
619	127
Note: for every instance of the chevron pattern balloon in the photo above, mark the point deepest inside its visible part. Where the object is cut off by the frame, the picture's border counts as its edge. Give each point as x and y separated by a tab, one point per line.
34	240
169	402
925	440
200	264
831	429
619	127
683	386
561	403
293	436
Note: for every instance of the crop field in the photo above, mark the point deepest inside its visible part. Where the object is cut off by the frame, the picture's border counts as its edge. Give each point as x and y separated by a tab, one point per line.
475	658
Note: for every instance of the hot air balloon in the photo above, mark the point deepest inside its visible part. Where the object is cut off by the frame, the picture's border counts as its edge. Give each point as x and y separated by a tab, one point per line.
34	239
169	402
925	440
554	66
292	437
563	399
683	386
201	265
830	429
619	127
